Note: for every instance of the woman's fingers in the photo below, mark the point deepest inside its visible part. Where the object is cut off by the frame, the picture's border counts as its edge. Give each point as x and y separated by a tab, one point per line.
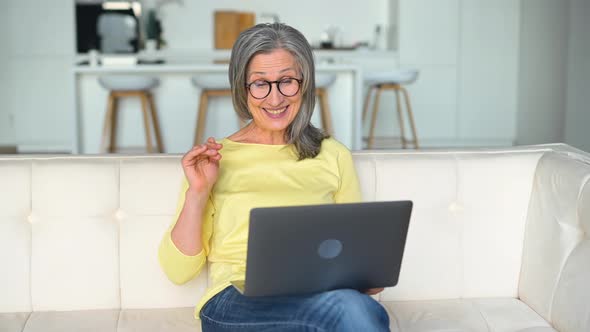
194	152
373	291
212	144
200	151
209	149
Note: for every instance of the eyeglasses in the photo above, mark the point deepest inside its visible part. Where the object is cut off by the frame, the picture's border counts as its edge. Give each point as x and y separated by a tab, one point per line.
287	86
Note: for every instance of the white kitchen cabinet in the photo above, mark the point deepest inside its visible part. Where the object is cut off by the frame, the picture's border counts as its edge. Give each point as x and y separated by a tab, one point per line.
38	56
6	118
428	32
429	42
42	103
488	70
467	54
40	28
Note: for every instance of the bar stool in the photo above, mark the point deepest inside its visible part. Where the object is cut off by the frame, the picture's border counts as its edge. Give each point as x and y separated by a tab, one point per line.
123	86
211	85
394	81
322	82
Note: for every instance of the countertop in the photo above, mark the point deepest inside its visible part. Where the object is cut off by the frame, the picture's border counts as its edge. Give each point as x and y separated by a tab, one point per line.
216	61
187	67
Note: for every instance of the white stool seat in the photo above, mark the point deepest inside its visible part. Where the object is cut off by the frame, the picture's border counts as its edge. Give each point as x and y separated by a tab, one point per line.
399	76
128	82
323	80
211	81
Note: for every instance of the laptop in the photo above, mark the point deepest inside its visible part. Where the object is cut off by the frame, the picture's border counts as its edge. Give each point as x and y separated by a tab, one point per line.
315	248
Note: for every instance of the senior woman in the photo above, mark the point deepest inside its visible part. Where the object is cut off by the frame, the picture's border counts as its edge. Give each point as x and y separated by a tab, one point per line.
278	159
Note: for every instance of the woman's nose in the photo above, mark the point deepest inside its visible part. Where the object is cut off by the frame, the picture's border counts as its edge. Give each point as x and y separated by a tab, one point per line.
275	98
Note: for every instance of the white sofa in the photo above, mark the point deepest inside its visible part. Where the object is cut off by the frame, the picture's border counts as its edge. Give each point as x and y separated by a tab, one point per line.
498	241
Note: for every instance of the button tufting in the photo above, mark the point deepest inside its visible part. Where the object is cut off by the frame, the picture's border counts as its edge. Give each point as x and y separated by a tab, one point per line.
455	207
119	214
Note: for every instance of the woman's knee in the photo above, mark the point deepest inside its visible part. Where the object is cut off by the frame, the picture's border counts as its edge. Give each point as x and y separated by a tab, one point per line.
355	310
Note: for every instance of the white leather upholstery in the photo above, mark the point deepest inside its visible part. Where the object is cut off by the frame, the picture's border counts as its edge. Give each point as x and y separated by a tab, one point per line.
128	82
490	314
15	236
497	241
397	76
13	321
452	248
556	259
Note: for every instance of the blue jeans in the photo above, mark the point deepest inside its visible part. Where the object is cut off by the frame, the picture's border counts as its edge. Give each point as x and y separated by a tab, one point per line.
338	310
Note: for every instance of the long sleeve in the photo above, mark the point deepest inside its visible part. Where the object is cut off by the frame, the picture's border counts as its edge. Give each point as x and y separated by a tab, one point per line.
349	190
181	268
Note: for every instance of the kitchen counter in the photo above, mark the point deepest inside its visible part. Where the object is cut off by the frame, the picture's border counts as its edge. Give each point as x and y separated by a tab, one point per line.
187	67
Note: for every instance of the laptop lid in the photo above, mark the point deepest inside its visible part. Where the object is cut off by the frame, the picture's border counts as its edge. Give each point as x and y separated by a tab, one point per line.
307	249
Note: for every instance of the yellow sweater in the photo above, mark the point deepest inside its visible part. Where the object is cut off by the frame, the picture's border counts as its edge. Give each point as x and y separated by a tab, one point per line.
256	175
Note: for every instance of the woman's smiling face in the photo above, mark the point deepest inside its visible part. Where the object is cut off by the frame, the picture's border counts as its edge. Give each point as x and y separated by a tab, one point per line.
275	112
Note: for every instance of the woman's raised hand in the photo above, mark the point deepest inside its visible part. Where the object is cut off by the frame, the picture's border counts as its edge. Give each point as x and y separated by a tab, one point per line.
201	166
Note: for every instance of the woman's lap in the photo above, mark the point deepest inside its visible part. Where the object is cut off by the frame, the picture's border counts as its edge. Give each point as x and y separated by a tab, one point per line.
339	310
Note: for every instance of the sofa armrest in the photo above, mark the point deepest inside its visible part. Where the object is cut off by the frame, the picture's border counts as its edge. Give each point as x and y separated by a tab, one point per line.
556	257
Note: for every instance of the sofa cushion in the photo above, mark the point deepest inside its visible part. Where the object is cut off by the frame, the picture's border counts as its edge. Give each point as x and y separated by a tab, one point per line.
156	320
61	321
13	322
485	315
489	315
134	320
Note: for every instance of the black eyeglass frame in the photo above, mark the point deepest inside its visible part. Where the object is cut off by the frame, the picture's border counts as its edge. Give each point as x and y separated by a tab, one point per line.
270	83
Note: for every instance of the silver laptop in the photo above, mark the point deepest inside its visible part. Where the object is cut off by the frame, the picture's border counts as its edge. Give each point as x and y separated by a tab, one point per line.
307	249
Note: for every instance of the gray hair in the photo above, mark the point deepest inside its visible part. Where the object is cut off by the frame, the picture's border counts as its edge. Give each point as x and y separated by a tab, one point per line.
265	38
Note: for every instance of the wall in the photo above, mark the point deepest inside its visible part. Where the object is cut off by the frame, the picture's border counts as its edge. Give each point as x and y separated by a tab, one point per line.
542	71
577	123
189	25
6	117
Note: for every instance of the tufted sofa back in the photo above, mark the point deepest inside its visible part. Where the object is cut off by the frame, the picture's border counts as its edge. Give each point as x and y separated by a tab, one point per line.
467	228
82	233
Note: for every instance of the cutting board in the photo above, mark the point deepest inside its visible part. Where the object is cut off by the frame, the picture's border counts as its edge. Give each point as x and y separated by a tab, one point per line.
229	25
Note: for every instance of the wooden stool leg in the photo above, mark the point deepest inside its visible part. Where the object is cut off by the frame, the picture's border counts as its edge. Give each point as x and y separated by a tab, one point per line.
367	100
400	117
374	119
155	122
201	117
114	120
146	121
410	117
325	111
107	128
